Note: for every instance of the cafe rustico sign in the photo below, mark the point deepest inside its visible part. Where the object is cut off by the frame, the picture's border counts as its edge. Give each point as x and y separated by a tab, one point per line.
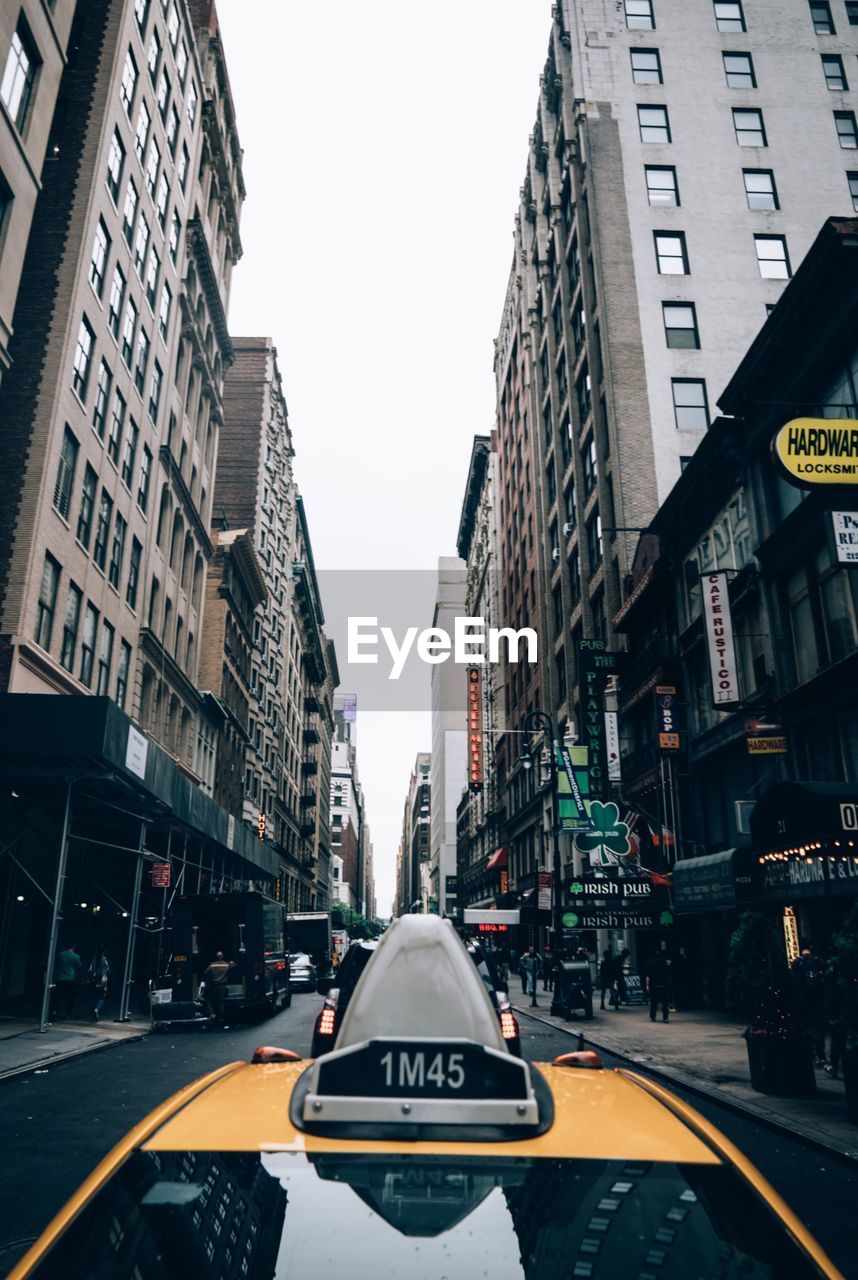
817	452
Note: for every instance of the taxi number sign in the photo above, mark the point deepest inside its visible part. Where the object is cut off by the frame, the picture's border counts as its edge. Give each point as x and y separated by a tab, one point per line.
422	1069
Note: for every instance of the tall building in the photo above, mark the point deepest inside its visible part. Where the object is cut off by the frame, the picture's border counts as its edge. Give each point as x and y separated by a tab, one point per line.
293	668
33	42
346	807
449	774
413	890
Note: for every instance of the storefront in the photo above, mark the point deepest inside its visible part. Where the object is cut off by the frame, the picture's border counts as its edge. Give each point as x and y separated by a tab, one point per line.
708	894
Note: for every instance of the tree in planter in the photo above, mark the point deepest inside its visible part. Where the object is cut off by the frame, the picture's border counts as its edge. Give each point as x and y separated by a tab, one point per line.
756	968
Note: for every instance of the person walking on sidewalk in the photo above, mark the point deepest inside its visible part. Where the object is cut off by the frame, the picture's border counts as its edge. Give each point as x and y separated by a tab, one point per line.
607	980
66	977
530	967
547	968
98	980
619	963
658	985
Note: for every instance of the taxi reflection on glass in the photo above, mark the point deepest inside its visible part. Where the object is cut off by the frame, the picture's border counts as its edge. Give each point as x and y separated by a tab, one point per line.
420	1147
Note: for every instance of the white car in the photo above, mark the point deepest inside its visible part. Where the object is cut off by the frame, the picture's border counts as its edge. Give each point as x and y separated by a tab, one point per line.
302	972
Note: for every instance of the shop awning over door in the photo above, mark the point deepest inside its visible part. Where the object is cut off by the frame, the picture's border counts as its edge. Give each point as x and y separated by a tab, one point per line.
715	882
790	814
499	860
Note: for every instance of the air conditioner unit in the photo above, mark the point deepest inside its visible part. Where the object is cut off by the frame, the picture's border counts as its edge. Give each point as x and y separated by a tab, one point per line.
555	553
568	526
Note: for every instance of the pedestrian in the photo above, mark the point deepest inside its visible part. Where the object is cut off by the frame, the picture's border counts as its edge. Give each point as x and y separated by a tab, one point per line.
547	968
530	966
98	980
810	991
835	1017
620	976
66	977
215	978
606	979
658	985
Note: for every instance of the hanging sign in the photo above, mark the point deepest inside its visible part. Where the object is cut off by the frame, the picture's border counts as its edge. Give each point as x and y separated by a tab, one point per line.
814	453
845	529
607	841
160	875
791	934
595	664
573	788
667	717
767	746
612	743
543	892
475	729
719	640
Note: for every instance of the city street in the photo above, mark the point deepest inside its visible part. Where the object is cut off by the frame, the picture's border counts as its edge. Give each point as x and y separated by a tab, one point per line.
56	1125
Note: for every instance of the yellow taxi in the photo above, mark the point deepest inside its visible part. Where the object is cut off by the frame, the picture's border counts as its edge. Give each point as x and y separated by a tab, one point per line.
420	1148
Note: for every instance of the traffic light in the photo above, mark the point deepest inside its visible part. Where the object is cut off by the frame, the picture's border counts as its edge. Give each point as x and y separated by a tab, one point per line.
260	826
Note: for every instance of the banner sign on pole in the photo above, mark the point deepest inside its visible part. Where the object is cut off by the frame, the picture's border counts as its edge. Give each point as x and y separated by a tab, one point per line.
573	788
719	640
595	664
475	729
612	743
543	891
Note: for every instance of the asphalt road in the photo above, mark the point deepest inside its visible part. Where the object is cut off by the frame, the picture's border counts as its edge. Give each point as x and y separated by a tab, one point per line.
56	1126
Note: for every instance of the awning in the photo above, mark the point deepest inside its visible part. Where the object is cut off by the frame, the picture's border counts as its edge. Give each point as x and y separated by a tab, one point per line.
790	814
487	915
715	882
499	860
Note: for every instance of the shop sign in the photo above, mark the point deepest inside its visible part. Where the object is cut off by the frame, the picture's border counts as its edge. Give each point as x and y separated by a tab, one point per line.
767	746
504	882
160	875
845	529
492	928
642	919
591	886
475	729
849	817
607	841
791	934
719	640
815	453
667	717
543	892
612	744
573	787
136	752
595	664
806	877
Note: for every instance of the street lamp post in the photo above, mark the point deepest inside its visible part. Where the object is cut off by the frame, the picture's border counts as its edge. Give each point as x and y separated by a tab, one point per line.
542	720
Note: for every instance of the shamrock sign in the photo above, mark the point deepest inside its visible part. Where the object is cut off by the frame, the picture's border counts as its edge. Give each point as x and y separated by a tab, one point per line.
665	918
608	838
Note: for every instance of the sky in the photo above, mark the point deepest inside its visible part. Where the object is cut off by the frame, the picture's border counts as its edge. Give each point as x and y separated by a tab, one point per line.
384	147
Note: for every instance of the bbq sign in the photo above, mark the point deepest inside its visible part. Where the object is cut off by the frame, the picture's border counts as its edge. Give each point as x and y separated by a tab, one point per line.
813	453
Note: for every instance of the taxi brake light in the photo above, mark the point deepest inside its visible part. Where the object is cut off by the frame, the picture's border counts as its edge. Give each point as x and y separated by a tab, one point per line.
326	1022
580	1058
509	1030
271	1053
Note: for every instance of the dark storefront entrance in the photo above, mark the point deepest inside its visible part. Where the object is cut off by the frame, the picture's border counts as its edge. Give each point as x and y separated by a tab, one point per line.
709	893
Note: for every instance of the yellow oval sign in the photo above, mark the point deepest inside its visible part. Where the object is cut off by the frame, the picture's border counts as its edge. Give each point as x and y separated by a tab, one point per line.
817	452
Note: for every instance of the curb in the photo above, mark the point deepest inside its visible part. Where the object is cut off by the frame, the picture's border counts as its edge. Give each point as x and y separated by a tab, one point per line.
712	1094
46	1063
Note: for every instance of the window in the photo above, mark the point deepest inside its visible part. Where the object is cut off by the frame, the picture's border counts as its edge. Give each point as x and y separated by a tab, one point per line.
128	83
162	200
153	162
594	540
760	189
832	69
852	12
19	76
173	25
129	453
87	506
114	306
820	16
173	130
589	466
639	15
115	165
141	135
729	16
750	131
82	358
182	62
117	551
71	622
653	123
680	325
646	66
584	390
47	602
141	245
690	407
661	185
670	253
164	310
153	270
87	645
65	473
175	234
117	421
739	70
574	564
847	131
129	326
98	260
184	165
102	395
133	574
122	673
145	479
852	179
129	212
155	391
154	56
102	529
141	13
141	360
191	105
105	658
162	96
772	257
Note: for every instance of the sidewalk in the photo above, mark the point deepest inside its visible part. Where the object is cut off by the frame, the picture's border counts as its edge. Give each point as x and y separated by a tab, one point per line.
706	1052
24	1048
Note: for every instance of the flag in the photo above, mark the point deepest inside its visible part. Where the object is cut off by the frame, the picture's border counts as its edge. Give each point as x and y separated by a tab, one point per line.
666	838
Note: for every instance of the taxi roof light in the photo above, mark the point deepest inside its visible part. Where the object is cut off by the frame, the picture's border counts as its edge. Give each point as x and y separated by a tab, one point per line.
273	1053
579	1058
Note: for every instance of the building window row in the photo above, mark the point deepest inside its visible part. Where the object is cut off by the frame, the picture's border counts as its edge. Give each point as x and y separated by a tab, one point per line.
730	16
671	250
748	125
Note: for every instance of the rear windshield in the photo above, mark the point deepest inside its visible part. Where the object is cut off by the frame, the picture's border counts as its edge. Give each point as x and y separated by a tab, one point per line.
209	1214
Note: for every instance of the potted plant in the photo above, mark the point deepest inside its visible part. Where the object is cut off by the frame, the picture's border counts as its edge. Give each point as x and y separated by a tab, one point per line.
843	1006
780	1052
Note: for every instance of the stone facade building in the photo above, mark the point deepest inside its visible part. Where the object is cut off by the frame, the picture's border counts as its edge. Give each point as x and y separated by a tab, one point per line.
413	864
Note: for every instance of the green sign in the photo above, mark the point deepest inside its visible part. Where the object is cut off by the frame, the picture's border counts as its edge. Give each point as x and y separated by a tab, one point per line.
608	838
573	788
570	920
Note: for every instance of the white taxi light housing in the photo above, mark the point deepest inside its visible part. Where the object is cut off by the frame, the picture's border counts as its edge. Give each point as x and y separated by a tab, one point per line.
421	983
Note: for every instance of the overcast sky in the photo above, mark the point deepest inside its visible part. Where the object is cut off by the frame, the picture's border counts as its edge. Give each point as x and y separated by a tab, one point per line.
384	147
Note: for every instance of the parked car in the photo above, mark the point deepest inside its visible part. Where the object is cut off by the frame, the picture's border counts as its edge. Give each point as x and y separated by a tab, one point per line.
302	972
